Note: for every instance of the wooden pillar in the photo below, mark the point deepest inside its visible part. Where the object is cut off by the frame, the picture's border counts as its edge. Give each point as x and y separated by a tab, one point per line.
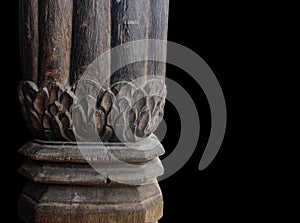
112	177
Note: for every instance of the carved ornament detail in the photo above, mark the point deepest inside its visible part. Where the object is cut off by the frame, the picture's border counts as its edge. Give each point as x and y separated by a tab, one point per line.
124	112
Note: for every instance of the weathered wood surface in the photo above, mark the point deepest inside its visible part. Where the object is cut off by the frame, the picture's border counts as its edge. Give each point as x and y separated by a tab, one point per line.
62	39
91	38
70	152
78	204
105	174
55	33
159	30
54	112
29	39
130	21
64	181
59	39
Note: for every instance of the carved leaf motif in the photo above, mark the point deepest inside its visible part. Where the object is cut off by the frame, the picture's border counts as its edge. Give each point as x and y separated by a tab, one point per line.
64	119
109	118
151	104
123	104
124	112
47	120
132	117
118	125
88	105
55	90
160	106
70	134
28	88
40	101
154	87
129	134
56	128
67	99
35	121
54	108
78	117
87	87
107	134
100	121
105	102
143	123
27	91
84	131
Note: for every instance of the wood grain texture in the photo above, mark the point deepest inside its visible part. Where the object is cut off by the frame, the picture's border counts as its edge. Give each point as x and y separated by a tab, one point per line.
159	30
78	204
109	173
62	190
29	39
55	28
91	38
59	40
70	152
47	28
130	21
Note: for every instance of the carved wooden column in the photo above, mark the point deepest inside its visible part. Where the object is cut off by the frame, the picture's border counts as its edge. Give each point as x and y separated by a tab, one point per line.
72	179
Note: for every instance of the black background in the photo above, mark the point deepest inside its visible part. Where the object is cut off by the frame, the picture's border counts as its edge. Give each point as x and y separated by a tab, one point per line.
221	34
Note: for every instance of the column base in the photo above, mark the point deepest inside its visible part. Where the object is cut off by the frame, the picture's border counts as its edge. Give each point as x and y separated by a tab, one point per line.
91	204
64	188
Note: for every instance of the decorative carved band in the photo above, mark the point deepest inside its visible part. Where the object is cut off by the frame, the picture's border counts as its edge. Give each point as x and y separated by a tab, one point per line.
87	112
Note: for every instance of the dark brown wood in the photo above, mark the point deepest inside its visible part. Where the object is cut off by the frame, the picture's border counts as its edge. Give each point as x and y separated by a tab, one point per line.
53	112
59	41
62	190
70	152
55	33
84	174
78	204
29	39
121	165
46	37
130	21
91	38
